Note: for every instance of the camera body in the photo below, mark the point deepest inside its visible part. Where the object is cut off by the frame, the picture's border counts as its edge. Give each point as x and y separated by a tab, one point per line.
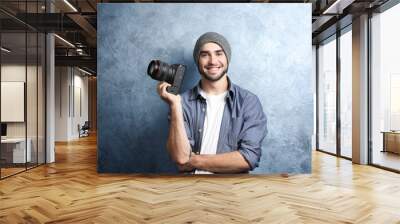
172	74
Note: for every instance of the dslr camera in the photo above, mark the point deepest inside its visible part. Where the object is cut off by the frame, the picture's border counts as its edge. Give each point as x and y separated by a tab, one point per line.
172	74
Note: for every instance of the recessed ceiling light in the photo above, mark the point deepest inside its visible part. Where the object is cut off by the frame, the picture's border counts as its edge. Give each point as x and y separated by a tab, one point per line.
86	72
70	5
5	50
337	7
64	40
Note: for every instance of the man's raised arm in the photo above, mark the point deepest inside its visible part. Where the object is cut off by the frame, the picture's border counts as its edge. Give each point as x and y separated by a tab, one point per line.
178	144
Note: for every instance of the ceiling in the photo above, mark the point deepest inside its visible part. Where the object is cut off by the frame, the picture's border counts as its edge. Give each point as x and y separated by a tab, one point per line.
76	21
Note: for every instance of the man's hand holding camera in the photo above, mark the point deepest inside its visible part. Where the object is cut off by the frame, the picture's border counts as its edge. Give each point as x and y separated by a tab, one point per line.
172	99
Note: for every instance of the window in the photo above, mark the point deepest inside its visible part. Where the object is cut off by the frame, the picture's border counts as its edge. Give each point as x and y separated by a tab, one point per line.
346	93
385	88
22	67
327	96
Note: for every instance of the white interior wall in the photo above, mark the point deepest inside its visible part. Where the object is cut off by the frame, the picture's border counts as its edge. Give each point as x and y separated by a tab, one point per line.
34	124
61	103
70	83
80	108
16	73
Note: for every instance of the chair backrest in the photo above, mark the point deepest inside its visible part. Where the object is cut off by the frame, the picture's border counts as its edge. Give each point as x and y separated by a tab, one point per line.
86	125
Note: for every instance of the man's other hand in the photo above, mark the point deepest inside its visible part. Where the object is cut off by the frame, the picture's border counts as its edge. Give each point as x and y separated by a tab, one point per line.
187	167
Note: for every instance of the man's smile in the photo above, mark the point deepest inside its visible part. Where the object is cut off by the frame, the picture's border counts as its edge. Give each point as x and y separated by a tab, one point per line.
213	69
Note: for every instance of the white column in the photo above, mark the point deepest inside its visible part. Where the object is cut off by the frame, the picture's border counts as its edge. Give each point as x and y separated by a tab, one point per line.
50	92
360	90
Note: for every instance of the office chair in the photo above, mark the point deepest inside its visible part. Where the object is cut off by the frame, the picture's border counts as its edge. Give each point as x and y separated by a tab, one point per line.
84	130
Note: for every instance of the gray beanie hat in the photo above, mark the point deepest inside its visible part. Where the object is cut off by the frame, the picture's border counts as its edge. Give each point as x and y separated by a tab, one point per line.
215	38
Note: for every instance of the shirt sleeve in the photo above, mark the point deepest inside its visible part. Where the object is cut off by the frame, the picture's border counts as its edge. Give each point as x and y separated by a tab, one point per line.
186	122
253	132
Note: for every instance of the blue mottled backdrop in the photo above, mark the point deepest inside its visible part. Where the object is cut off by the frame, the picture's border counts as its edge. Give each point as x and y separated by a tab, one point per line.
271	56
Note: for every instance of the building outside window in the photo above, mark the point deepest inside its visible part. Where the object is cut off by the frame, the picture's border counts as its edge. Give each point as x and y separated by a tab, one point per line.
327	96
385	88
346	92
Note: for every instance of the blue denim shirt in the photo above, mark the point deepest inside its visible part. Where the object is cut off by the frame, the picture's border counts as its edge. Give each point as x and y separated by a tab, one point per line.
243	126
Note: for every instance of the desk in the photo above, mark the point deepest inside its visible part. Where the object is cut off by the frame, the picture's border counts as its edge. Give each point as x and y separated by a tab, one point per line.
16	147
391	141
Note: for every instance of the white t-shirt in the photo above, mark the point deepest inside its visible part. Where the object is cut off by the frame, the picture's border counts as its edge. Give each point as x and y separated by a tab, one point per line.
212	124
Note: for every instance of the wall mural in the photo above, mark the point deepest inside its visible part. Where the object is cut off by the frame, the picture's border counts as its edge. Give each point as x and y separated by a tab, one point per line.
271	57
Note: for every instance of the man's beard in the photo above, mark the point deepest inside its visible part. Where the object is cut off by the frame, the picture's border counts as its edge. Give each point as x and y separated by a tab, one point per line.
212	78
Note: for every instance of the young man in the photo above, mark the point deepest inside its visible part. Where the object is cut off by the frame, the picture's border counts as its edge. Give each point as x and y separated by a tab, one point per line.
216	127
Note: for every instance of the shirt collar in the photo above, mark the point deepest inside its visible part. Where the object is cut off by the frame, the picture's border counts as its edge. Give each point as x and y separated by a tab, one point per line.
196	92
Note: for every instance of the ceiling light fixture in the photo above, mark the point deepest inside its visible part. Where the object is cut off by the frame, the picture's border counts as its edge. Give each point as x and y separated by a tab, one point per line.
86	72
5	50
80	51
65	41
337	7
70	5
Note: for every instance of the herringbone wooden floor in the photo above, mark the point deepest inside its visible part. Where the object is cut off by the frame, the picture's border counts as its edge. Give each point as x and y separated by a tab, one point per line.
71	191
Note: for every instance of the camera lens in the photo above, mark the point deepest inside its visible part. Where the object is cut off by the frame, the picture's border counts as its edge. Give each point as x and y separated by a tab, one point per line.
161	71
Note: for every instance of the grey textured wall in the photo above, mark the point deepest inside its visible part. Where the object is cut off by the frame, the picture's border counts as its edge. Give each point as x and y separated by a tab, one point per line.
271	56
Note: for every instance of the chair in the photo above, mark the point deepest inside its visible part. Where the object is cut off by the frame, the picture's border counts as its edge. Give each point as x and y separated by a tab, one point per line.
84	130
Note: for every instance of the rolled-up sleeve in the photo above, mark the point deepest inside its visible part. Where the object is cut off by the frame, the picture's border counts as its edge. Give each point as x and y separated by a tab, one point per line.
188	128
253	132
186	121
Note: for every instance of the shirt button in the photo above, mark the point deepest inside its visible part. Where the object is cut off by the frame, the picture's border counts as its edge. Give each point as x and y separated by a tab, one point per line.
204	109
200	130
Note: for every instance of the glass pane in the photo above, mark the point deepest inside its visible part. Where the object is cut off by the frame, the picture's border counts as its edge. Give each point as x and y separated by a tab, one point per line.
41	98
31	101
13	86
23	88
31	85
346	93
327	97
314	75
386	89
